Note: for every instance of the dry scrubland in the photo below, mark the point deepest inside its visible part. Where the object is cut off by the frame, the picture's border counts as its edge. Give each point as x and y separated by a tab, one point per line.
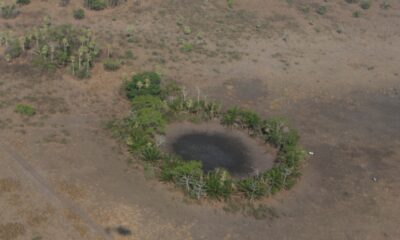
330	67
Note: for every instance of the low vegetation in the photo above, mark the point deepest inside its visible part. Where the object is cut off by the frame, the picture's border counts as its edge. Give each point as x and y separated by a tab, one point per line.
54	47
25	110
153	105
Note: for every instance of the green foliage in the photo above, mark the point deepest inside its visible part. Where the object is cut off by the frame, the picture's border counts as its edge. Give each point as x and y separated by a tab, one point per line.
14	49
250	120
230	116
111	64
147	83
186	47
153	105
230	3
321	10
150	153
9	11
23	2
148	101
95	4
352	1
57	46
79	14
219	184
276	132
356	14
25	110
174	169
253	187
365	4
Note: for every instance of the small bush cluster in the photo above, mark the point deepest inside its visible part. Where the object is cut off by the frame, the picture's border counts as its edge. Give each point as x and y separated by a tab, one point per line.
25	110
8	11
154	105
79	14
23	2
56	46
111	64
101	4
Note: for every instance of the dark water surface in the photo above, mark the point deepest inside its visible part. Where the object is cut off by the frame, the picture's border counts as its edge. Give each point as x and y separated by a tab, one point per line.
214	151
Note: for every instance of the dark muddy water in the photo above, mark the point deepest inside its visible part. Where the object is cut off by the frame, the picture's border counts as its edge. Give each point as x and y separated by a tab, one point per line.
214	151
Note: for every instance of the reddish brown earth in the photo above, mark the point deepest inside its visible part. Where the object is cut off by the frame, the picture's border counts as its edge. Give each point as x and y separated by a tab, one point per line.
336	77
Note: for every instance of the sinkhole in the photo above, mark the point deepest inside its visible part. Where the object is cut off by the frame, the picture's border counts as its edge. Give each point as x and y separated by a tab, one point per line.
219	147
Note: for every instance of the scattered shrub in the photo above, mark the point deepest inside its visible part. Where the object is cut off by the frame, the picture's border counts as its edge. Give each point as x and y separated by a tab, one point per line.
253	188
14	49
231	116
148	101
321	10
187	47
219	184
352	1
25	110
356	14
111	64
64	3
9	11
150	153
79	14
365	4
23	2
95	4
147	83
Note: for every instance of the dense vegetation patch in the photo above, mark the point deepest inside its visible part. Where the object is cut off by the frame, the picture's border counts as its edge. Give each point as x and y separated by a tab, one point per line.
53	47
155	105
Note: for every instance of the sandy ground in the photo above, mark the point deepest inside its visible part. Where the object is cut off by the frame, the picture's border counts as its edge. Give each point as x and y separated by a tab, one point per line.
62	176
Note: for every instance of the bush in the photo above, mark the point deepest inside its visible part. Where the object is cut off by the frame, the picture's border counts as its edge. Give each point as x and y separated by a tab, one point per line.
174	169
148	101
147	83
321	10
149	119
219	184
25	110
365	4
111	64
23	2
14	49
79	14
9	11
95	4
230	117
64	3
352	1
276	132
250	120
150	153
253	188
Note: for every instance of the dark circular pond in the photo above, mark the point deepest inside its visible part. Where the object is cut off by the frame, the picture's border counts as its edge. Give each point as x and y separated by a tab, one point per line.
214	150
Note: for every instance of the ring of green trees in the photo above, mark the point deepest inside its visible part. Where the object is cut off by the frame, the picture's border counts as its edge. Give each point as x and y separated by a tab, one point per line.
154	105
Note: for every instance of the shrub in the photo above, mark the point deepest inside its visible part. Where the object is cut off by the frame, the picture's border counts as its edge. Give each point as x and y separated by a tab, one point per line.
23	2
253	188
148	101
111	64
230	117
149	119
147	83
9	11
137	138
276	132
25	110
64	3
250	120
79	14
352	1
356	14
186	47
174	169
321	10
150	153
95	4
14	49
219	184
365	4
